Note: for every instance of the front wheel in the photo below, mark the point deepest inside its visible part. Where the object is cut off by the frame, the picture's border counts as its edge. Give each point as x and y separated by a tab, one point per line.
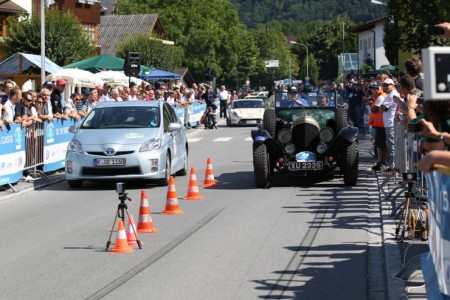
261	166
350	161
165	180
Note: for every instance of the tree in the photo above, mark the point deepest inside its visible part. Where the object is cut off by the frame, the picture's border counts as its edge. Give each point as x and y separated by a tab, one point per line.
153	53
209	31
64	40
406	28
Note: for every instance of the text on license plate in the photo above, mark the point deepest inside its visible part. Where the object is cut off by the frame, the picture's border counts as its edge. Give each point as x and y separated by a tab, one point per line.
100	162
305	165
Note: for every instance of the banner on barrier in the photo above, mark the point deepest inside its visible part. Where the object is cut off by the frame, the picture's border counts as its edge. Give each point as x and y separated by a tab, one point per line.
56	139
12	154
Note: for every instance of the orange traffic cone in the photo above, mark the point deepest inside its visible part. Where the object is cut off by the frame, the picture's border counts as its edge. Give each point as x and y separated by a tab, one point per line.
193	193
172	200
209	175
121	244
131	230
145	222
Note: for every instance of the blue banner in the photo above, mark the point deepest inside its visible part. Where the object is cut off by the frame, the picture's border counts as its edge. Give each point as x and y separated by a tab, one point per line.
56	139
12	154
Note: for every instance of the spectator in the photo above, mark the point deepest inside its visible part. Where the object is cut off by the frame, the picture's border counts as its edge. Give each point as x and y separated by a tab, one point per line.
56	99
208	96
388	107
115	95
376	121
413	67
27	116
93	101
70	109
38	104
44	112
105	92
223	98
16	97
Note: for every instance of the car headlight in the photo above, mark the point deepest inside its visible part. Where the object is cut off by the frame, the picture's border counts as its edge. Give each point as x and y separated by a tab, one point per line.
150	145
235	114
289	148
75	146
326	135
321	148
284	136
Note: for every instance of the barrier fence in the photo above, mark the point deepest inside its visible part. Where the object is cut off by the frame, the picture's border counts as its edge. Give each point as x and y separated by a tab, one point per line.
430	191
41	147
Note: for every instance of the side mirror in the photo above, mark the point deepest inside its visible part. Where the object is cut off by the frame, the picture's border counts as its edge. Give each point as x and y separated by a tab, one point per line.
73	128
174	127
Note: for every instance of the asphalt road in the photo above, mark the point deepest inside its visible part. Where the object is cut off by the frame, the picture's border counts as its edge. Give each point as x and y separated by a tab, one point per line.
299	239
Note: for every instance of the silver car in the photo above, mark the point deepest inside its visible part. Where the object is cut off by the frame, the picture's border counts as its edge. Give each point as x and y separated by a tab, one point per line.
127	140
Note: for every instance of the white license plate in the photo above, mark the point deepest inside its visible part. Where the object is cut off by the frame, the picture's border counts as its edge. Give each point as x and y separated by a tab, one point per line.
101	162
305	165
251	122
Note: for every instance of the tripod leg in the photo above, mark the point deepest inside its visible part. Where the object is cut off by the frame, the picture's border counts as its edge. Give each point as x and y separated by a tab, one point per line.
111	232
405	217
134	231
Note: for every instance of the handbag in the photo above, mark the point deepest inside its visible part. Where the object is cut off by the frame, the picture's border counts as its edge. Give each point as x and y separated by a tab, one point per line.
202	120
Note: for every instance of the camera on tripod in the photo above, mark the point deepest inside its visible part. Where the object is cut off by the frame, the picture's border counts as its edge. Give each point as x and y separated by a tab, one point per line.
436	62
120	188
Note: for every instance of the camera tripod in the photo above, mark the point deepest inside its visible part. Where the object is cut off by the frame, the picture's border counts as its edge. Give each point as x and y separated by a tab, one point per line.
122	208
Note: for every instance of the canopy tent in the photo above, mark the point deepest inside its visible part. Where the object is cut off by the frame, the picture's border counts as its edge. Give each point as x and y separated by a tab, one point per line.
103	62
158	74
76	78
19	62
392	69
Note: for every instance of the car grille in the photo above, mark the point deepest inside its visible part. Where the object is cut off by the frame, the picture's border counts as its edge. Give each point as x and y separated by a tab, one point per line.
305	137
117	153
111	171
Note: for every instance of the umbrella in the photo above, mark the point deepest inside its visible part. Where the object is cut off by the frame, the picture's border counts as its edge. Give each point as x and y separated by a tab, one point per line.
76	77
113	77
100	63
159	74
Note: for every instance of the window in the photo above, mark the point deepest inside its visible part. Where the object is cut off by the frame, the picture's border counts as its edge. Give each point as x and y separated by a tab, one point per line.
90	30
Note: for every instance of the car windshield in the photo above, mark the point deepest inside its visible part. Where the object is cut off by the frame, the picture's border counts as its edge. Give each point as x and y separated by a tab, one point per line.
122	117
247	104
296	99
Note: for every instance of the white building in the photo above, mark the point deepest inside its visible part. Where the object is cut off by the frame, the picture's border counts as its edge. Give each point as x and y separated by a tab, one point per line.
370	42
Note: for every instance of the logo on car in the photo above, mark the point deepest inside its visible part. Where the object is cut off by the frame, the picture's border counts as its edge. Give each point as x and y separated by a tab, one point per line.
110	151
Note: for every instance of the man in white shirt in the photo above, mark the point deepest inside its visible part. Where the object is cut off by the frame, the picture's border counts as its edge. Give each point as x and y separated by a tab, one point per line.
223	97
105	92
388	108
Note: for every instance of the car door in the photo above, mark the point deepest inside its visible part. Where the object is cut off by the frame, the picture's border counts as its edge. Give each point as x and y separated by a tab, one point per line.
179	139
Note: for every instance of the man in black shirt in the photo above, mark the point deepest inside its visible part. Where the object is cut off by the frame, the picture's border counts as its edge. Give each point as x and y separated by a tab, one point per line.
56	99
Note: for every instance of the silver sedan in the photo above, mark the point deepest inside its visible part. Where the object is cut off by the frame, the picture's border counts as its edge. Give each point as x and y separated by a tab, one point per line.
127	140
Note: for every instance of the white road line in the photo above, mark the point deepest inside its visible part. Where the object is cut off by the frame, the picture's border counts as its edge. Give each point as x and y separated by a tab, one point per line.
222	139
249	139
193	140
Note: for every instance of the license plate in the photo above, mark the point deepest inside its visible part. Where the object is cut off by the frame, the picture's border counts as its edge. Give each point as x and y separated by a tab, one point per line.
251	122
305	165
101	162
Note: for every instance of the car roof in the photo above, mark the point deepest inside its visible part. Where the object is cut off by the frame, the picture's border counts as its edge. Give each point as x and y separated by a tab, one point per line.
130	104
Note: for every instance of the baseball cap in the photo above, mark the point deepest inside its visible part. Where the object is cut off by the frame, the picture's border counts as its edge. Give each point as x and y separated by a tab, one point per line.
98	87
388	81
293	89
85	91
48	84
374	85
60	82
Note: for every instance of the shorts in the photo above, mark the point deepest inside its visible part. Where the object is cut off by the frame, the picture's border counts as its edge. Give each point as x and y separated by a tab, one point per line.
380	138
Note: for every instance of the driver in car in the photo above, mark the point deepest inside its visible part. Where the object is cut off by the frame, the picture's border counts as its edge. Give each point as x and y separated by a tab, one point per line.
294	99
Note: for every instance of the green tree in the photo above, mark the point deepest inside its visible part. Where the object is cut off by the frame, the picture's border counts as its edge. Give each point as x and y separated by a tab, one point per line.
209	31
153	53
64	40
408	21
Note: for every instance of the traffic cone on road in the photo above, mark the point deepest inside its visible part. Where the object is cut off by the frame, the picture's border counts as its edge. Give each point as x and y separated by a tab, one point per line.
121	244
193	193
132	233
145	222
172	200
209	175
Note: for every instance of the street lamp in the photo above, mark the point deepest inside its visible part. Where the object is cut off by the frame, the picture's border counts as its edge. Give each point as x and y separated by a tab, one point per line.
307	59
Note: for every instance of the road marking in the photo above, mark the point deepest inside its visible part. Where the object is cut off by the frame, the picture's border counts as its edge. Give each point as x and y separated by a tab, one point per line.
249	139
193	140
222	139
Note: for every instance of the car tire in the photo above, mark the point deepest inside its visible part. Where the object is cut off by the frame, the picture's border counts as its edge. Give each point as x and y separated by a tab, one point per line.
261	166
350	161
184	171
75	184
228	122
269	122
341	119
165	181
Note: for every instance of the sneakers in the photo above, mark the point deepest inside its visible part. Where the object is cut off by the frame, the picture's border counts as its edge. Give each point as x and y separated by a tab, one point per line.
379	166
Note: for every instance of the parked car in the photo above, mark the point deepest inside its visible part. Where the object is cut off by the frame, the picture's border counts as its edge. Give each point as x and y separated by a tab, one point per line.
245	112
305	134
127	140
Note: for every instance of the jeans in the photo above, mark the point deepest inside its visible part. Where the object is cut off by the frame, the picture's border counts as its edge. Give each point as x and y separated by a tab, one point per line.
390	146
223	108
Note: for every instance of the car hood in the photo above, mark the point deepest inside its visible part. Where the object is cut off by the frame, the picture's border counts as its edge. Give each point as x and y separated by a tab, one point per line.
249	112
115	136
